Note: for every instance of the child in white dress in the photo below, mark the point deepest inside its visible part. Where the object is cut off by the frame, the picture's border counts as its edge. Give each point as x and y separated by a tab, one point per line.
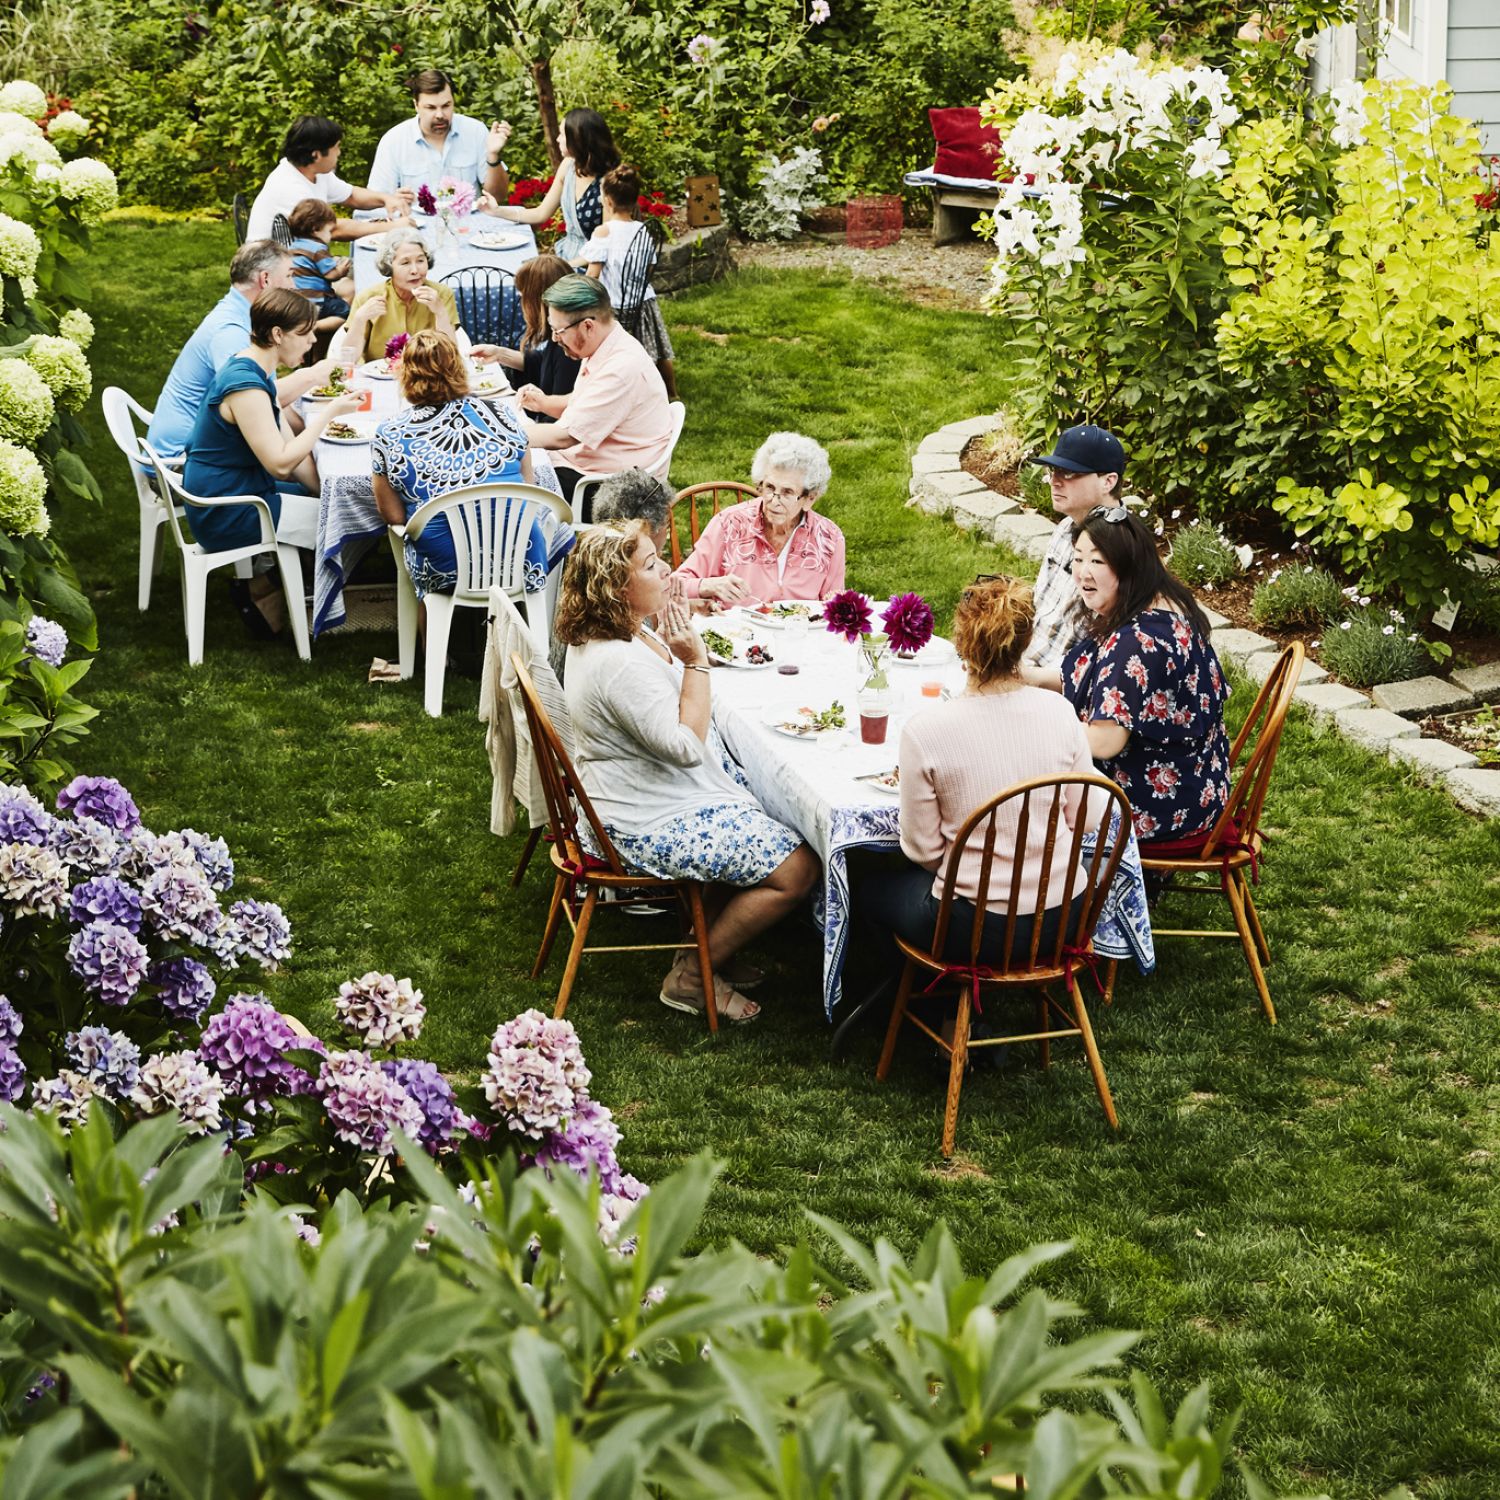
606	253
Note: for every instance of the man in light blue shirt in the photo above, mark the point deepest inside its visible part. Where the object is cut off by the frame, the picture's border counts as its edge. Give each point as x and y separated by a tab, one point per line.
438	143
258	266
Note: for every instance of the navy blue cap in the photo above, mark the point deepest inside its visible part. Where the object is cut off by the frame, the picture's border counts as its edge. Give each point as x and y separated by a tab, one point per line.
1086	450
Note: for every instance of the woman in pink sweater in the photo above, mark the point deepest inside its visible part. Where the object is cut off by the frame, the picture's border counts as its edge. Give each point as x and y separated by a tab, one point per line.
955	756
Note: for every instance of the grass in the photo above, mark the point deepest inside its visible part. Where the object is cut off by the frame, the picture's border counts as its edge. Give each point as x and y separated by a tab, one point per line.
1305	1215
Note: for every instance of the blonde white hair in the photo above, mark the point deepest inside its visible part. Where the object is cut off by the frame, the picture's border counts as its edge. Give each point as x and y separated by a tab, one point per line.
393	241
790	450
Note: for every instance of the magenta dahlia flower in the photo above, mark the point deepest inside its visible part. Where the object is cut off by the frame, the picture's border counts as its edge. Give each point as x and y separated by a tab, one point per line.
847	614
908	622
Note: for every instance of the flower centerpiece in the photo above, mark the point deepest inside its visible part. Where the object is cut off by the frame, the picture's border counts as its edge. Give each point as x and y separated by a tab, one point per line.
451	201
908	622
847	614
394	347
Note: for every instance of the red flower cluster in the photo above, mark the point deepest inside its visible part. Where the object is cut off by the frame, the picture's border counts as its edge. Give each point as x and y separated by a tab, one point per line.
654	204
1489	200
56	104
525	189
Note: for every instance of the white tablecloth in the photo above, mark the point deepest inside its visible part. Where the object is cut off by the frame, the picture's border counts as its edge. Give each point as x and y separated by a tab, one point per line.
348	521
811	786
453	252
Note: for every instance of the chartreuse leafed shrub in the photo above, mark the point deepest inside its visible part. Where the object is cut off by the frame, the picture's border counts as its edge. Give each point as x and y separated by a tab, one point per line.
1201	554
1298	595
1374	645
487	1343
1369	340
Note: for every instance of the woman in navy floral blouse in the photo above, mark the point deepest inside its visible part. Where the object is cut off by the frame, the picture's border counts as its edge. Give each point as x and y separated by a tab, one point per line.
1146	682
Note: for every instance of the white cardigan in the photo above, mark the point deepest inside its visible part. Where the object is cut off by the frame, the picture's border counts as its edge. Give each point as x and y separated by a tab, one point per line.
641	766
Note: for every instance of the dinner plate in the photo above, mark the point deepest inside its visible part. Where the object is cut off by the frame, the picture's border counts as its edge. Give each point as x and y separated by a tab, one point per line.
492	241
740	666
936	653
490	391
374	369
809	735
878	786
773	621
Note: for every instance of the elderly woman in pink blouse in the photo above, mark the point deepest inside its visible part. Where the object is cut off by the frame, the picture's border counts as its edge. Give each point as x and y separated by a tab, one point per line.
775	546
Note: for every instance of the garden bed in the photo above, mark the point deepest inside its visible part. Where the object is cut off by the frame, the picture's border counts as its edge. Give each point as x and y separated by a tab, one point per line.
1475	730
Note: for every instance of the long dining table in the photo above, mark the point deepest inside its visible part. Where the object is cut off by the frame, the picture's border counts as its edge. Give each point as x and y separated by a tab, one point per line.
455	251
814	784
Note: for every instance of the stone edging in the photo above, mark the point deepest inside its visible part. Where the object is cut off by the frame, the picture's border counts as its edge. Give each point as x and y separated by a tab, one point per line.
1383	721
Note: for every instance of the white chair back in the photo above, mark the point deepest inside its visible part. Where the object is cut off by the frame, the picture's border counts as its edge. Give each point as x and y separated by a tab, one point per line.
678	413
171	484
491	528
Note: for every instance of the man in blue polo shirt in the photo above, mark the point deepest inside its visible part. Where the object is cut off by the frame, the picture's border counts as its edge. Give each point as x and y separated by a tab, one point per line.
438	143
258	266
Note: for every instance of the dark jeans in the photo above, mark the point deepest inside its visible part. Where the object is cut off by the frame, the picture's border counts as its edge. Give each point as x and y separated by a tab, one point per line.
901	902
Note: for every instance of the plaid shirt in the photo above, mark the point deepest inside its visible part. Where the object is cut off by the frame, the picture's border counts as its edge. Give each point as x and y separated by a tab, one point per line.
1056	627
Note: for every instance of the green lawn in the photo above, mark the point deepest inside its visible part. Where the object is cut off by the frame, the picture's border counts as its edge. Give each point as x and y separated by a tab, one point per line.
1306	1214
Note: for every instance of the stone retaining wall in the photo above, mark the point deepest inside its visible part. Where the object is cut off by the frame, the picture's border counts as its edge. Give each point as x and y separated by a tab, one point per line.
697	256
1382	721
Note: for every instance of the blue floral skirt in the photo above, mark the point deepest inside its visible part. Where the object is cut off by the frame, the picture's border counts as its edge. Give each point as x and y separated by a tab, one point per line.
730	843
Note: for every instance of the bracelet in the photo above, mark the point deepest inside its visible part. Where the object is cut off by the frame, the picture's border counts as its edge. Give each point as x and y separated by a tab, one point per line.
499	161
693	666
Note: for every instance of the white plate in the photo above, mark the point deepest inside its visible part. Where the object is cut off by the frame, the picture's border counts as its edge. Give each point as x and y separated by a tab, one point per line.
741	666
500	391
773	621
808	736
876	786
936	653
490	241
348	442
374	369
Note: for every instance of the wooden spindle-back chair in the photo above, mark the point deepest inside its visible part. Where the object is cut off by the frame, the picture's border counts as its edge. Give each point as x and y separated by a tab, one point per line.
569	808
1030	817
715	493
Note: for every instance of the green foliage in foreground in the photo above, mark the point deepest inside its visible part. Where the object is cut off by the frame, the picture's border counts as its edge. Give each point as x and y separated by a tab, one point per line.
503	1350
1304	1215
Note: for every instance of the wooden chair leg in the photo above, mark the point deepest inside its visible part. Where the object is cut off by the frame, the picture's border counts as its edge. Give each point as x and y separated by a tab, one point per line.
575	953
956	1065
527	850
898	1014
1044	1025
549	933
1252	956
705	964
1255	927
1091	1051
1109	981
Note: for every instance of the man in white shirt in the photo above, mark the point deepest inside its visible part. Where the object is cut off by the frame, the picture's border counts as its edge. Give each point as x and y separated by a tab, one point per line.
437	143
1086	470
306	170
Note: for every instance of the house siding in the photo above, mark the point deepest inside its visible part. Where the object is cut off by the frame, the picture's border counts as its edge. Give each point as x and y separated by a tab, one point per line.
1473	65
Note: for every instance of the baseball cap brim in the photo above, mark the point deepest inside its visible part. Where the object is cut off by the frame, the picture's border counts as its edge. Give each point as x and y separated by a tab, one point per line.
1054	462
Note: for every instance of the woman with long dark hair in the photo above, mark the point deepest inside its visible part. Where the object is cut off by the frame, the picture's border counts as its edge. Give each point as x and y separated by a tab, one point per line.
1146	682
540	361
588	152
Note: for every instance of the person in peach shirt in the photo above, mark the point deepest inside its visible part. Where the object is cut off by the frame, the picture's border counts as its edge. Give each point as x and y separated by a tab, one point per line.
617	415
775	546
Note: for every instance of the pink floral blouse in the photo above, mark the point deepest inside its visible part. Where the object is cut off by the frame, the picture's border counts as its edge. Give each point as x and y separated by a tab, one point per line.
810	567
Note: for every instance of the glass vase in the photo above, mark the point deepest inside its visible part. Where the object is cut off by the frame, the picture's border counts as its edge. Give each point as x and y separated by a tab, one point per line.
874	694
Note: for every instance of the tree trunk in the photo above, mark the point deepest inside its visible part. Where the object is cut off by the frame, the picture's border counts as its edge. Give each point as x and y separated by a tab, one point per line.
546	103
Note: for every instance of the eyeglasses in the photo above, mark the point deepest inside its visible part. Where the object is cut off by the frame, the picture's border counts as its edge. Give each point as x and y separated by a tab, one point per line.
557	333
980	578
790	496
1114	513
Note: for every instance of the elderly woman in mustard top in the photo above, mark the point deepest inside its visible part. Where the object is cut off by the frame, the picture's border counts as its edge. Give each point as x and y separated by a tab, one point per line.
405	302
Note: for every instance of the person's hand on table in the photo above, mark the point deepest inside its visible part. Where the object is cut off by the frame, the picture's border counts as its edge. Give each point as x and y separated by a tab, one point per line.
727	590
398	204
531	397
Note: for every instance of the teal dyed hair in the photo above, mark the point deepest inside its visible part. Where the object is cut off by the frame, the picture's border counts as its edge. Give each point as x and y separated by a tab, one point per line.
581	296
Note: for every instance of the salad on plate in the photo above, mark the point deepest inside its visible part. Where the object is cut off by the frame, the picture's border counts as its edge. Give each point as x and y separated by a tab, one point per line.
809	723
735	649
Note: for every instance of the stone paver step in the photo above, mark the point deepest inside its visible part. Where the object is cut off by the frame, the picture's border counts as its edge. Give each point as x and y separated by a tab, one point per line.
1419	696
1374	728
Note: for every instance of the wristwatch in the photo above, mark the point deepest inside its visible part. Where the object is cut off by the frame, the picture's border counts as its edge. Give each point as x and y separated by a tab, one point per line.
499	161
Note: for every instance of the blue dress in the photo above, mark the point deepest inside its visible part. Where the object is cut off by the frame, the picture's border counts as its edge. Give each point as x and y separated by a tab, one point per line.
221	462
431	450
1158	678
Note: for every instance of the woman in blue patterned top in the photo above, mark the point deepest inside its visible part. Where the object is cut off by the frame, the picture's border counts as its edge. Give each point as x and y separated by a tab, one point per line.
1146	682
446	440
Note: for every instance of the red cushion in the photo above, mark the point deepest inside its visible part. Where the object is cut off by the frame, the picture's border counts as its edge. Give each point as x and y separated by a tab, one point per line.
965	148
1185	848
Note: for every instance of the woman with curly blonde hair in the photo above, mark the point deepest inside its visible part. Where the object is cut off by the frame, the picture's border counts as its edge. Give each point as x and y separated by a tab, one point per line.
639	701
955	756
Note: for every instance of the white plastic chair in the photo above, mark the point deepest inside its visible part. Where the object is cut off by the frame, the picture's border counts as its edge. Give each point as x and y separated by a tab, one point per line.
587	484
197	564
121	413
491	529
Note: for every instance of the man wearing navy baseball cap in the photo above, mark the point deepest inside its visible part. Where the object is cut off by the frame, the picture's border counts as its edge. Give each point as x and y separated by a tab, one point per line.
1087	469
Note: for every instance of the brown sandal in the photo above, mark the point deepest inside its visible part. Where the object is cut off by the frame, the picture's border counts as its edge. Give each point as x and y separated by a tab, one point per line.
679	992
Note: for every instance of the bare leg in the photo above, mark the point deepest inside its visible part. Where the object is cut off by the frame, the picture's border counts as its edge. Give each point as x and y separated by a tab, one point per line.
669	377
747	913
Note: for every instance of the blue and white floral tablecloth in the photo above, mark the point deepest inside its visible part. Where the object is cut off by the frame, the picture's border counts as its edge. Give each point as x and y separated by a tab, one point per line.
812	785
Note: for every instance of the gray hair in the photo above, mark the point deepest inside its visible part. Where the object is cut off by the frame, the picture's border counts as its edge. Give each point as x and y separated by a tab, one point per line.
393	241
633	495
790	450
253	257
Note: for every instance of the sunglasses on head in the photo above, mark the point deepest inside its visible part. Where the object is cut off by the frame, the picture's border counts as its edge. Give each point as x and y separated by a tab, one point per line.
1108	513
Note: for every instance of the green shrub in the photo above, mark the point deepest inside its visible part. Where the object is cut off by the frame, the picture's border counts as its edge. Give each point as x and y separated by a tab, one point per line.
1298	595
1372	646
215	1354
1200	554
